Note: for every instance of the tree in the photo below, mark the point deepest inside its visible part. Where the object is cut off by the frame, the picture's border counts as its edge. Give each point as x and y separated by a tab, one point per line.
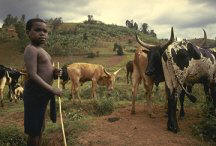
144	28
9	20
22	19
129	23
135	26
152	33
90	18
54	23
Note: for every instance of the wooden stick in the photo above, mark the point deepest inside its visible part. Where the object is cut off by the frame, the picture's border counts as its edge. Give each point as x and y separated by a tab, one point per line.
60	111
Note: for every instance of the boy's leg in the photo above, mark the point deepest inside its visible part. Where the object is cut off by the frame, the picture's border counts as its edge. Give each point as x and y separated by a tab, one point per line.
36	140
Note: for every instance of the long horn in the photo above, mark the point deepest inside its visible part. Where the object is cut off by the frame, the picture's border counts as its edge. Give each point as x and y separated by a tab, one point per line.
204	39
8	77
171	40
107	72
115	73
147	46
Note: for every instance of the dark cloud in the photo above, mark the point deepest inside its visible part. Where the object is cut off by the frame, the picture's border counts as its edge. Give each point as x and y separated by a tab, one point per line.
186	21
196	14
208	3
45	8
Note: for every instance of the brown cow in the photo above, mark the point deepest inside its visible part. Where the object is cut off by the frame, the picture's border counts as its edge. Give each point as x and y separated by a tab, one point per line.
129	69
82	72
139	66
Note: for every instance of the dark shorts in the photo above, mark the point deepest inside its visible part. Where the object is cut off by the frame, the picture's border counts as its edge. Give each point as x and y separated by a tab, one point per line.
35	103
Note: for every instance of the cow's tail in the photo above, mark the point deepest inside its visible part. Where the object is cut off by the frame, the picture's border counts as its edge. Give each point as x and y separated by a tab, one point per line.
189	95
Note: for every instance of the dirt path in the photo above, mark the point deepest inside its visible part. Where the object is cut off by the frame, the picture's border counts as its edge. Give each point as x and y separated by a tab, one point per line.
139	130
114	60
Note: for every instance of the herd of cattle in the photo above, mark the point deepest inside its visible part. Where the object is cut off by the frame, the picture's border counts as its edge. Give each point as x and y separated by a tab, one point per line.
180	64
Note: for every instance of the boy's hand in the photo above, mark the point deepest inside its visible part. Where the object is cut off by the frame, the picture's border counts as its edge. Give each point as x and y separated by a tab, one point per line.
57	73
57	92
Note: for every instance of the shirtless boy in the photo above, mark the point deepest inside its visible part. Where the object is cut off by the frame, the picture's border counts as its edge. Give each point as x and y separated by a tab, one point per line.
38	88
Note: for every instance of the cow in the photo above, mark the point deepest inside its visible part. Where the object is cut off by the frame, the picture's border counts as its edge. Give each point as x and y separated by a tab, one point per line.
8	76
64	77
183	64
140	63
82	72
18	92
129	70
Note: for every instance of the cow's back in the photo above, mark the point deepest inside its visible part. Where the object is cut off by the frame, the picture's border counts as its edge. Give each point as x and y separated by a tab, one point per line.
140	61
190	62
84	71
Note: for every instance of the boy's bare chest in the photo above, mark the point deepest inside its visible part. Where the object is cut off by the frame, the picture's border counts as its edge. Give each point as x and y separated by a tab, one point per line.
43	57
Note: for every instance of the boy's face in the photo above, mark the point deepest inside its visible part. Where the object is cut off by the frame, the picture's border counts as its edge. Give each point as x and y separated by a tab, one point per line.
38	33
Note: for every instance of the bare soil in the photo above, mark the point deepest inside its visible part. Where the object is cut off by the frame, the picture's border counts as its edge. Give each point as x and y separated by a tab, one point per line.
140	129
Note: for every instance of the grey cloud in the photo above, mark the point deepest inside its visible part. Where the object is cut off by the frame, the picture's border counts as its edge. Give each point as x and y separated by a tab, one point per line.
208	3
42	7
188	19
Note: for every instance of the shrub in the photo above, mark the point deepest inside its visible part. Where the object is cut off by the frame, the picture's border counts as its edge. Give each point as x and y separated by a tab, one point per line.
206	129
10	135
91	55
103	106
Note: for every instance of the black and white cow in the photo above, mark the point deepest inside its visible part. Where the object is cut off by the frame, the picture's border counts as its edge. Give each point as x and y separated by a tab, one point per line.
8	76
184	64
155	69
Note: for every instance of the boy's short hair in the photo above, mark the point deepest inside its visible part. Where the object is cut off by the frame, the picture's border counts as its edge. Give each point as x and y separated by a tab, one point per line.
31	21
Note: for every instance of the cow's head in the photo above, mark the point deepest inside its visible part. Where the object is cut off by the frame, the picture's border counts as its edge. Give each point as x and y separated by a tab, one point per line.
108	79
64	77
154	53
15	74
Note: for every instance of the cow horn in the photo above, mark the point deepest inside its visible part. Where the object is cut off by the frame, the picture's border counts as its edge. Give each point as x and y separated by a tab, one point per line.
8	77
106	72
204	39
145	45
115	73
172	39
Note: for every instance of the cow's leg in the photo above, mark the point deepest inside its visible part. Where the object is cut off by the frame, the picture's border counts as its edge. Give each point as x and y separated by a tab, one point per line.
136	79
131	77
94	86
213	96
148	85
172	123
76	89
1	96
72	91
127	77
173	91
2	85
181	99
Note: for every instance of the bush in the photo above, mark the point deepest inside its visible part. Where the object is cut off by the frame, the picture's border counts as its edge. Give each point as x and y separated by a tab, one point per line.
91	55
103	106
206	129
10	135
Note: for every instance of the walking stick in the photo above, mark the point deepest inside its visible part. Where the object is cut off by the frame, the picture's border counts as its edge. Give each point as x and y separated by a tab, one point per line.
60	111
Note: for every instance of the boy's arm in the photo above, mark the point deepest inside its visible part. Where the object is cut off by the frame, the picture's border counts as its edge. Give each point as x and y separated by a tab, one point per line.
30	59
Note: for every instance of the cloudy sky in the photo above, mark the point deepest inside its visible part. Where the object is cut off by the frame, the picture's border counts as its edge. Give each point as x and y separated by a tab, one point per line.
188	17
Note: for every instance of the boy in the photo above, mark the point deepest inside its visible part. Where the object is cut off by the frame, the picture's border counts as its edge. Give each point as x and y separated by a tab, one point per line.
38	90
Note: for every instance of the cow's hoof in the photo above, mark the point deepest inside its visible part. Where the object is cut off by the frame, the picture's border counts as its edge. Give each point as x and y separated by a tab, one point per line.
173	129
151	115
133	112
